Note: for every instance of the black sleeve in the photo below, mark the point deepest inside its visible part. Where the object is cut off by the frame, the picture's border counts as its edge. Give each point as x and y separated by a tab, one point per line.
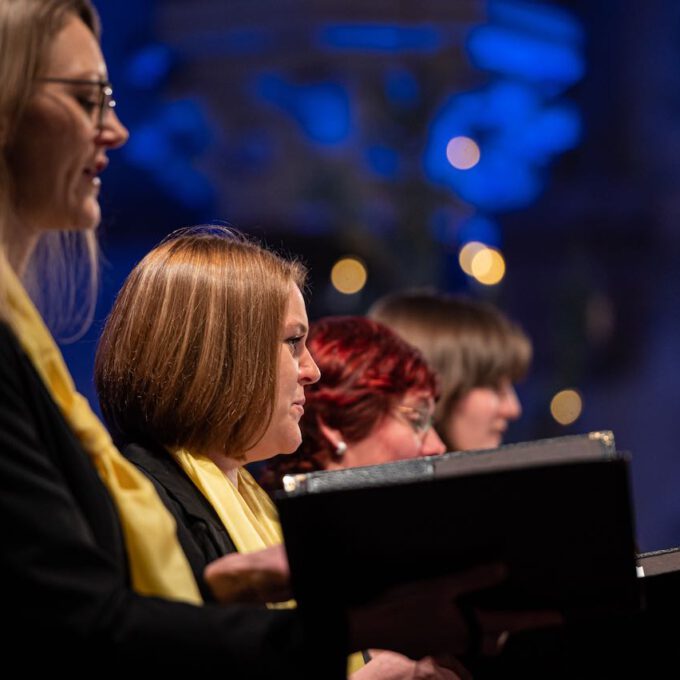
65	595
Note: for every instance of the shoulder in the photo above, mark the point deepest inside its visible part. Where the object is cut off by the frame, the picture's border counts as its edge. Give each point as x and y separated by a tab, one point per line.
157	464
10	351
176	489
19	382
145	457
200	530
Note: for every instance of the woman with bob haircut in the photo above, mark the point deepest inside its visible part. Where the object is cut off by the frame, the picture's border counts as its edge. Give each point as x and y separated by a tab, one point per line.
374	403
478	355
227	388
189	353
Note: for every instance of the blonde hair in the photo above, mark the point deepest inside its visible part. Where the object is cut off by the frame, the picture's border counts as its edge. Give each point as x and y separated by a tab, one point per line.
62	261
468	343
189	353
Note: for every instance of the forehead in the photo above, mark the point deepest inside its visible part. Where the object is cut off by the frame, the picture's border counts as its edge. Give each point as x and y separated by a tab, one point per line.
296	311
75	52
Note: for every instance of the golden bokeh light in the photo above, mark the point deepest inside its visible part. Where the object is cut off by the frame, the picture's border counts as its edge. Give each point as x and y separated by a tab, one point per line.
349	275
488	266
566	407
467	253
463	153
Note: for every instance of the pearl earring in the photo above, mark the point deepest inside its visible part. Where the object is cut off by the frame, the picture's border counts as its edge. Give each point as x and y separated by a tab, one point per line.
340	449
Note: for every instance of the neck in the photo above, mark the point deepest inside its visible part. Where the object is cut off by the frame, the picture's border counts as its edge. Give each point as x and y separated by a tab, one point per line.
19	245
229	466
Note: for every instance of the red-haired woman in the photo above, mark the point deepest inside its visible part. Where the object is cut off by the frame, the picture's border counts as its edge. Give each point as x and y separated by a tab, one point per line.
374	403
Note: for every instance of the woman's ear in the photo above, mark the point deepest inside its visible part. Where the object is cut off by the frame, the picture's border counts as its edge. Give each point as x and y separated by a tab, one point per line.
333	436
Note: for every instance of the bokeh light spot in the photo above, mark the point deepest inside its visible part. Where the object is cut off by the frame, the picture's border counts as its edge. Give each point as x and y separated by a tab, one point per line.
349	275
488	266
566	406
463	153
467	253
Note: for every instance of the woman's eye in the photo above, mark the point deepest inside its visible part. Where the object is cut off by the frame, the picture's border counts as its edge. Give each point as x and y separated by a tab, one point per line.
294	342
88	105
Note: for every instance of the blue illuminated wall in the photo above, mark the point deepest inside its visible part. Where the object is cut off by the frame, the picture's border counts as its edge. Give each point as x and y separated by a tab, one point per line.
323	130
521	119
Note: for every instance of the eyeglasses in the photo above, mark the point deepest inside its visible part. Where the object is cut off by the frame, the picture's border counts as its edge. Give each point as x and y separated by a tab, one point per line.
105	101
420	419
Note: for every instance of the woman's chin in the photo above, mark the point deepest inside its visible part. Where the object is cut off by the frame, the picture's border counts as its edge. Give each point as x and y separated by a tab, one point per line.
91	216
85	216
293	443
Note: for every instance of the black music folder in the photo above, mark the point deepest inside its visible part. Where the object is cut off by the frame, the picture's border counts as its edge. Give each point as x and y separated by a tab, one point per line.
557	512
659	573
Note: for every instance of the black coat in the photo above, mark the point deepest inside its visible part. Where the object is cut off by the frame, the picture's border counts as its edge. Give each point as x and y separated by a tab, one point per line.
202	534
64	586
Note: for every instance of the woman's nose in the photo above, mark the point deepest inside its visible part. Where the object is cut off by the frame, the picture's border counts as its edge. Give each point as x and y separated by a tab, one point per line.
510	406
432	444
113	133
309	371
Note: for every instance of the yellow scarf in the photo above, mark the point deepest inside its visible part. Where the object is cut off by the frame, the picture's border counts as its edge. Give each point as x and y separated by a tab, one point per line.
246	511
158	566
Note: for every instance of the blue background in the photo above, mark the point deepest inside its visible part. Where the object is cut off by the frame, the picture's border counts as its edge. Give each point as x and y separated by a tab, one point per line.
321	128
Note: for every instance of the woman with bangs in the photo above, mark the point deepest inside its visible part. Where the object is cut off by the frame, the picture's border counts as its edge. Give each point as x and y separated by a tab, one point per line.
477	353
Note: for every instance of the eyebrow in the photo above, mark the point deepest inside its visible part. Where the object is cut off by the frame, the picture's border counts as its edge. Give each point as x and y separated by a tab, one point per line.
298	328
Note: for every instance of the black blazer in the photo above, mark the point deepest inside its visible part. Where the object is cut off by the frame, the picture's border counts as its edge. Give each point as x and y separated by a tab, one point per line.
201	532
64	588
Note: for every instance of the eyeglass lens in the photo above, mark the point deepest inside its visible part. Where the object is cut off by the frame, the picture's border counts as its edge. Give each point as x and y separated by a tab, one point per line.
105	101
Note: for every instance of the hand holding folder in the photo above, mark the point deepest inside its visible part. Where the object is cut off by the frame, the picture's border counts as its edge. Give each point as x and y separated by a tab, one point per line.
258	577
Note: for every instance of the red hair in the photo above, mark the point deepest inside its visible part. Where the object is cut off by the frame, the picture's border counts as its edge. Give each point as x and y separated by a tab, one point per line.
366	370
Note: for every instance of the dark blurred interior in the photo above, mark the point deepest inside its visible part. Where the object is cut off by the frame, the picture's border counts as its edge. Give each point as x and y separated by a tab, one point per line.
324	128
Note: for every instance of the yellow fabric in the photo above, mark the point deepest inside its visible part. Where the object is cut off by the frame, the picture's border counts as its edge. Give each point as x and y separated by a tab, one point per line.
158	566
355	662
247	512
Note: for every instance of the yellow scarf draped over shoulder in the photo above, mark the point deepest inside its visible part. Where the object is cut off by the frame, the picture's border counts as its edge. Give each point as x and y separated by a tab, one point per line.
158	566
245	510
